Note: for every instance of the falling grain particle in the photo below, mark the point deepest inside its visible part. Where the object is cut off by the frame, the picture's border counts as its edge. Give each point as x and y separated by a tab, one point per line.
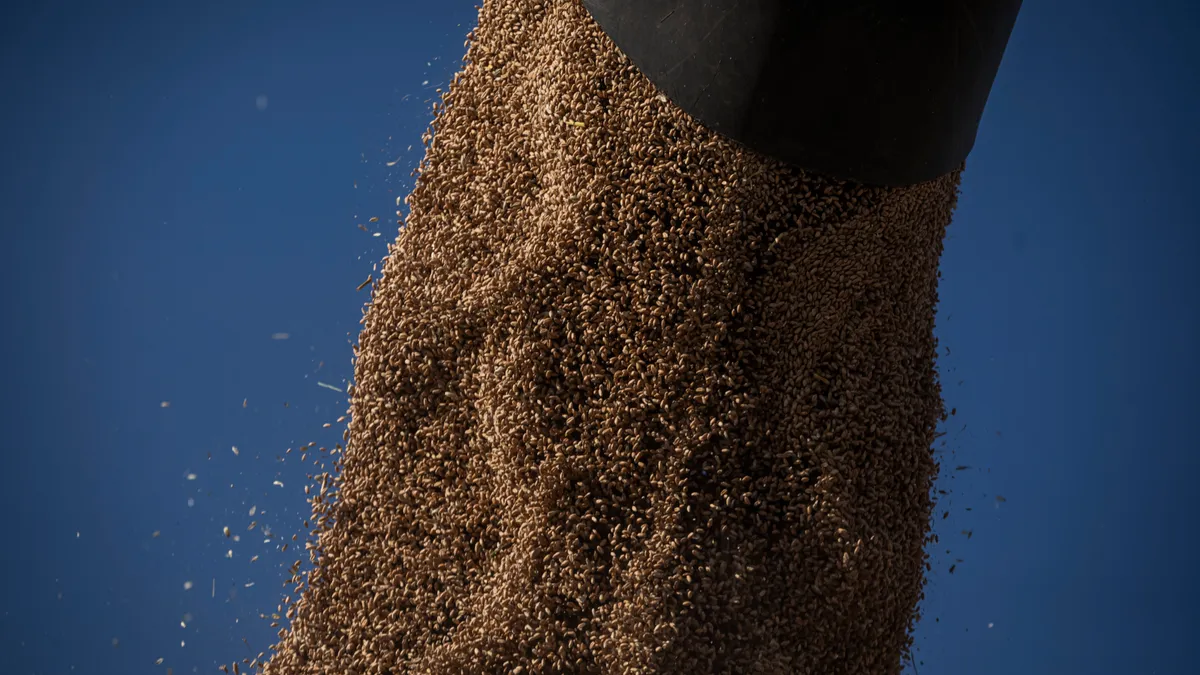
159	661
225	530
330	386
280	336
191	476
278	483
254	559
155	534
214	588
187	585
363	227
253	510
364	284
245	401
235	450
373	219
229	553
165	404
249	584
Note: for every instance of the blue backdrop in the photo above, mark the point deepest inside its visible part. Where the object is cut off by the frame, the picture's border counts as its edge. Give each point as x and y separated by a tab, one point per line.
183	183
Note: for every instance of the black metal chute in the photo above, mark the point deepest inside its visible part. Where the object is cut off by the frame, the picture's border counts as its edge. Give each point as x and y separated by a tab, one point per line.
887	93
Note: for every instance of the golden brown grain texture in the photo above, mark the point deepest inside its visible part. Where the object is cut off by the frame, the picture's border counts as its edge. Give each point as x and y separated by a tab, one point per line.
629	398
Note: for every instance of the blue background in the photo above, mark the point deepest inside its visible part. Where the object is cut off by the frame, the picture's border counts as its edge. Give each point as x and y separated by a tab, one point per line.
159	228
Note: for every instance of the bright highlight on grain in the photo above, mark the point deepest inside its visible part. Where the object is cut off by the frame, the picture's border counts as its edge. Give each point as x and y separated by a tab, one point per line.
629	398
